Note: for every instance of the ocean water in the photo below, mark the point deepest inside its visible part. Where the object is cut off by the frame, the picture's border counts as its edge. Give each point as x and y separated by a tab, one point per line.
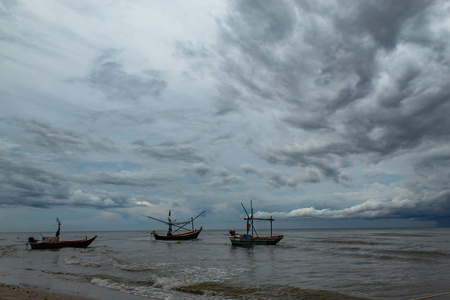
306	264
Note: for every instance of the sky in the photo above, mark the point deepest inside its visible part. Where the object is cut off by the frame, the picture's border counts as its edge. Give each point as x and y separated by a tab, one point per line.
324	114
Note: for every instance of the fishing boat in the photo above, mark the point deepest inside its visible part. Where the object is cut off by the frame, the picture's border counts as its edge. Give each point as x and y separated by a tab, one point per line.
191	235
172	235
252	237
53	242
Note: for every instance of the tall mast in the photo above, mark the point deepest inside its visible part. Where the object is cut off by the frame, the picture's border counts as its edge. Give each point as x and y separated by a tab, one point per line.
251	211
59	227
170	223
271	225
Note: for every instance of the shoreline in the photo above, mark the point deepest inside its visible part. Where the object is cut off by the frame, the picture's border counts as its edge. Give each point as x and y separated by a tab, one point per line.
40	289
11	291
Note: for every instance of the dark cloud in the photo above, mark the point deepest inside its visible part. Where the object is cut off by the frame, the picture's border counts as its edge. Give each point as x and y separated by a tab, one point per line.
108	75
58	140
28	182
384	21
273	178
125	178
404	205
282	179
267	22
24	182
436	162
190	50
335	90
128	118
228	100
224	180
326	161
354	82
201	169
169	151
425	196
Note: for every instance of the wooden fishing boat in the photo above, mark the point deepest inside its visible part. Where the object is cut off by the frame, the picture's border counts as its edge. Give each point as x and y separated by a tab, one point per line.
257	240
53	242
252	237
172	235
56	243
191	235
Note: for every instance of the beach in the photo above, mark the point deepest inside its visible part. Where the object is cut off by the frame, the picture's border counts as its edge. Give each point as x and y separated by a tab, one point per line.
39	288
9	291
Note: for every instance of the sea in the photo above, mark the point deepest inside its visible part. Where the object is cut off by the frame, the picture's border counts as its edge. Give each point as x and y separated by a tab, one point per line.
307	264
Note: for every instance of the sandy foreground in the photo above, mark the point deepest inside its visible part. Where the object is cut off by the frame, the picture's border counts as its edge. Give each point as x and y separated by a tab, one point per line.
14	292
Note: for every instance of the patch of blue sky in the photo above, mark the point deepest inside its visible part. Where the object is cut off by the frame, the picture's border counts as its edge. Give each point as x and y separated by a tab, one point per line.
387	179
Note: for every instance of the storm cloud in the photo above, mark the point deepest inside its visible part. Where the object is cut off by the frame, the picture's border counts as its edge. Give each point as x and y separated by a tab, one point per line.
108	75
315	110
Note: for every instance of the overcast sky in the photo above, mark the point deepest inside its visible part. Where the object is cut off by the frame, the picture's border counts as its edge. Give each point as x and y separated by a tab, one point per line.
324	113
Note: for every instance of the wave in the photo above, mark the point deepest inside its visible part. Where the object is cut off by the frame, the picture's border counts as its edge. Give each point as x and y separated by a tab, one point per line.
353	242
137	288
402	234
413	255
231	291
186	276
12	251
437	254
130	267
174	288
81	262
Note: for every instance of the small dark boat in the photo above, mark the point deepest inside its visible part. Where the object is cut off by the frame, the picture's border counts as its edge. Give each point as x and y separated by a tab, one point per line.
53	242
250	238
191	235
56	243
172	235
247	240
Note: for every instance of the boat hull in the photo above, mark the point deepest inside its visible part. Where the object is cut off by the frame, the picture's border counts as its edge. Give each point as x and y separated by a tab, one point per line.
191	235
61	244
261	240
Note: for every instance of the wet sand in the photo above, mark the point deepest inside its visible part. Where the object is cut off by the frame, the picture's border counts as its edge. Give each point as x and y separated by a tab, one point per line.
10	292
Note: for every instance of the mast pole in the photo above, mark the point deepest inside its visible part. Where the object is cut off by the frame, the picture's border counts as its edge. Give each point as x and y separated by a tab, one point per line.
59	227
271	225
251	210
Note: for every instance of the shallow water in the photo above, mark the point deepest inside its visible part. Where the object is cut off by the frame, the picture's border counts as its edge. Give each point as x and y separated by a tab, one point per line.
306	264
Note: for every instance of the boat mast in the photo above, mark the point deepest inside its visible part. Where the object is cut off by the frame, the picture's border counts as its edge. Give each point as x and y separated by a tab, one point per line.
59	227
271	225
248	217
177	225
169	232
251	211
